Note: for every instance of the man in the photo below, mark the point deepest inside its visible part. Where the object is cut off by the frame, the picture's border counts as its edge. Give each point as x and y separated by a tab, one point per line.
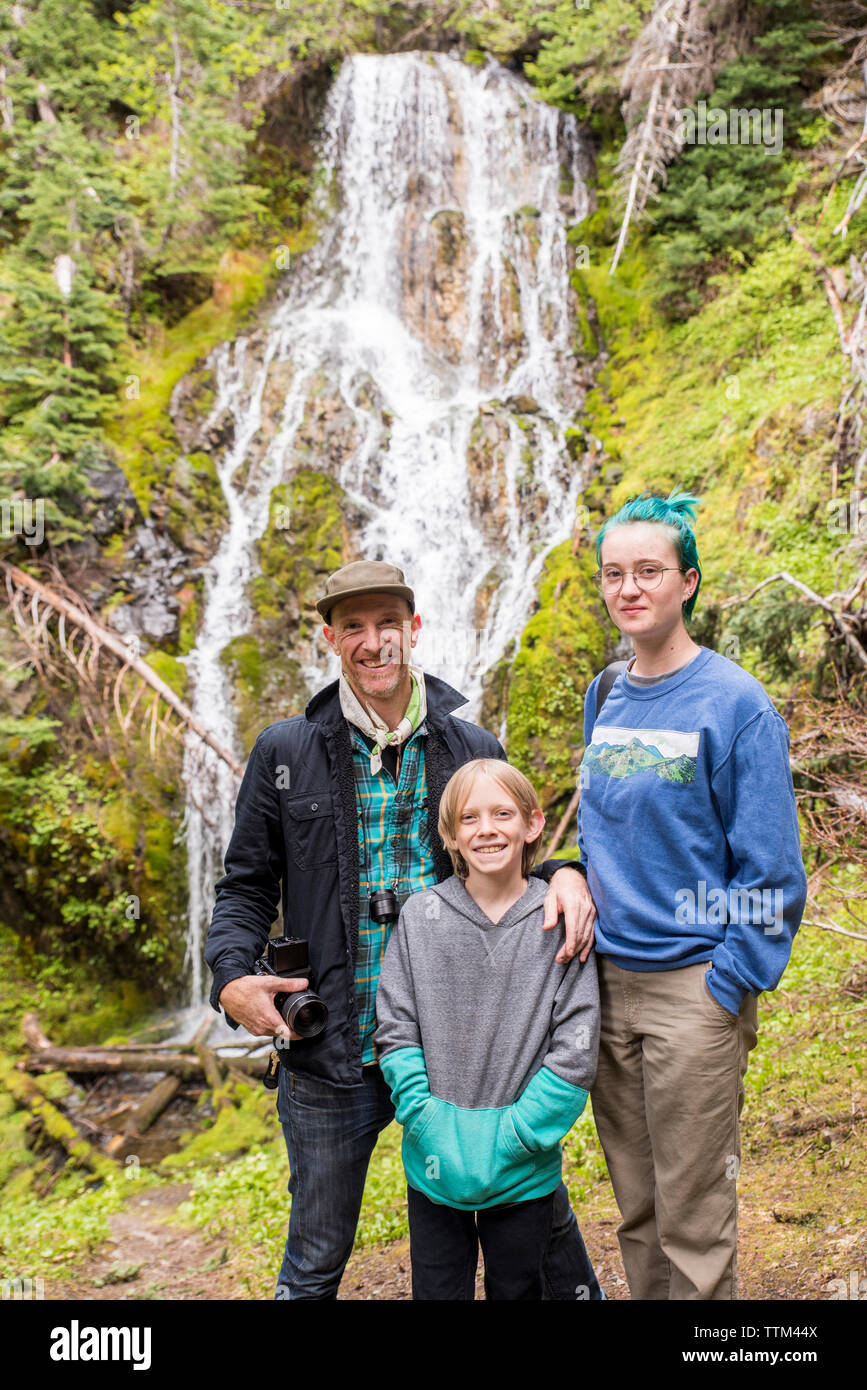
337	804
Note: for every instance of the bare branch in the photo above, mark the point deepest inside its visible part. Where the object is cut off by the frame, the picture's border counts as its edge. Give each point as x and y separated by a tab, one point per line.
97	637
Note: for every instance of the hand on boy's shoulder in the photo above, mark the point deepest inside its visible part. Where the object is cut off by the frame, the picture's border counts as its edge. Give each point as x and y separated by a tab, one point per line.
569	907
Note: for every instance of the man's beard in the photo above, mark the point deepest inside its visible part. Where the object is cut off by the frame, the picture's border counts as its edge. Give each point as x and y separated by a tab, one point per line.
359	679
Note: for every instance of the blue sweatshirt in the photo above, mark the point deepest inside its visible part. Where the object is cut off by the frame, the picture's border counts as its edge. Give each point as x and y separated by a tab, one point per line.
688	827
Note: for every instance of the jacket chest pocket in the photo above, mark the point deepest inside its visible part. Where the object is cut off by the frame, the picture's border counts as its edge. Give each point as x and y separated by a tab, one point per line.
310	829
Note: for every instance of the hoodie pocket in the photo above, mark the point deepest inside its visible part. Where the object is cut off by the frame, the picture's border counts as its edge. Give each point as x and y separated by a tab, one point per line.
512	1140
420	1124
466	1158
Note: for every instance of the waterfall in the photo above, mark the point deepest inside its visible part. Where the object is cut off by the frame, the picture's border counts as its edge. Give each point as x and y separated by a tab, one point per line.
436	309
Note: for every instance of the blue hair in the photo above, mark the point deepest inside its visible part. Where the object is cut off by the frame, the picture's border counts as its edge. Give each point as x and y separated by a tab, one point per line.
676	511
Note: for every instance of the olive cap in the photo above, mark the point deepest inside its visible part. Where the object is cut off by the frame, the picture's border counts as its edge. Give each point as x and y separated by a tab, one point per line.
363	577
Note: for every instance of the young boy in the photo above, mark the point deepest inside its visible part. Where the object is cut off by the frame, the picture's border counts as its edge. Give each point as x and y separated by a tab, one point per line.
488	1044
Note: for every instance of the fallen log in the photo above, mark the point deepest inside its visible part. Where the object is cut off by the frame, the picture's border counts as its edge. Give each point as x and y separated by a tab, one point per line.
33	1034
26	1092
187	1061
243	1076
108	1061
157	1099
213	1070
141	1119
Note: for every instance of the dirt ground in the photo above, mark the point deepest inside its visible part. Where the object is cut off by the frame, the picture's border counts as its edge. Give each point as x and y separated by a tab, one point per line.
145	1258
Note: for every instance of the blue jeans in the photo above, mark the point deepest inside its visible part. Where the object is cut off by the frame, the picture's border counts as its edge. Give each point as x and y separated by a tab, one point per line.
330	1134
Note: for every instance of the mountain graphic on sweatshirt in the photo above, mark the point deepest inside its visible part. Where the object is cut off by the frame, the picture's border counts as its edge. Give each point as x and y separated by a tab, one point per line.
628	759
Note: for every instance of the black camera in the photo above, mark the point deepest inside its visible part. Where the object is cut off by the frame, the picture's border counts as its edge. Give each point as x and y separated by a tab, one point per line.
304	1012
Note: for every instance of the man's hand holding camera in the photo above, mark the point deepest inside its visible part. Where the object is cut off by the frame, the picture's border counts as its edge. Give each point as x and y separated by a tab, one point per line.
266	998
250	1001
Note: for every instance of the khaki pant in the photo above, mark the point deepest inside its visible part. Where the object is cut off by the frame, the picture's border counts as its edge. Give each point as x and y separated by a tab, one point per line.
667	1101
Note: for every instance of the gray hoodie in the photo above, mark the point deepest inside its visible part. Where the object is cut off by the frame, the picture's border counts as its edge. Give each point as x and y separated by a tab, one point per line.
488	1043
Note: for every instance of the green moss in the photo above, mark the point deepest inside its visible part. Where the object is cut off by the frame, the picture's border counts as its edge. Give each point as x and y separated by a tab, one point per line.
169	669
71	1004
451	234
196	503
587	344
305	536
562	648
119	821
159	837
140	430
266	683
15	1155
236	1130
188	625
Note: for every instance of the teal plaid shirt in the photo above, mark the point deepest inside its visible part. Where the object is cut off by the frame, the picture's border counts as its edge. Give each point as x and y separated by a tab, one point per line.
394	851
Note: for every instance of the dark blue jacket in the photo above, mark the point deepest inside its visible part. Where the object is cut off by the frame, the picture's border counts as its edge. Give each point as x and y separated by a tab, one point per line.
296	822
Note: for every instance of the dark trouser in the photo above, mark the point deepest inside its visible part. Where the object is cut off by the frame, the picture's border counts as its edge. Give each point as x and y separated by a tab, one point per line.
330	1135
444	1247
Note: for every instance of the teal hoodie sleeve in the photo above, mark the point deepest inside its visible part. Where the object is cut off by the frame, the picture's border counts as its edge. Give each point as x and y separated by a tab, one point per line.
405	1074
546	1110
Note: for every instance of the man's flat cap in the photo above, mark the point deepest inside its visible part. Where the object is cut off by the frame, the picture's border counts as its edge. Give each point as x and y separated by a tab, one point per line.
363	577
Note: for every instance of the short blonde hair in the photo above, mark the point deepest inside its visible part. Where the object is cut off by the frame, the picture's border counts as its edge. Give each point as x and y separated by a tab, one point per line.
455	795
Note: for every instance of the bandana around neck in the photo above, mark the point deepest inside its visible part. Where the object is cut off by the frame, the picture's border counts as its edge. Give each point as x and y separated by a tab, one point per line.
370	723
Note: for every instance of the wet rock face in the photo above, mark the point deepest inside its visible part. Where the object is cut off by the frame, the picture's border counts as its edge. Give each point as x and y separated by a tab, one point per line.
328	432
436	256
189	408
486	475
503	343
152	612
112	507
505	442
281	374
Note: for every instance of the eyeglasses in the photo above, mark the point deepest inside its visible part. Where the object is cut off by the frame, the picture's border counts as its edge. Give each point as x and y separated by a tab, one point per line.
610	579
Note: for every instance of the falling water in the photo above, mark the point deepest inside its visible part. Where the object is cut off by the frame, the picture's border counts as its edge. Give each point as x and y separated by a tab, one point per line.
436	307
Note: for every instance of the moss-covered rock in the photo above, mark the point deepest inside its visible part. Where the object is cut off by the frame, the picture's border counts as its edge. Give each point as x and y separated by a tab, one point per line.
312	529
197	513
562	647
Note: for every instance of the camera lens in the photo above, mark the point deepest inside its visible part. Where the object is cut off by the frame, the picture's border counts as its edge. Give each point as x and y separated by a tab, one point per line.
384	906
305	1013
